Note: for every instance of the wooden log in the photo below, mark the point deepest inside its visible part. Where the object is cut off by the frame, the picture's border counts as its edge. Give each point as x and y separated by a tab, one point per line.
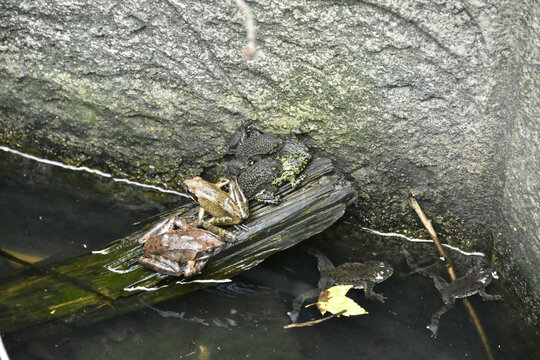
105	282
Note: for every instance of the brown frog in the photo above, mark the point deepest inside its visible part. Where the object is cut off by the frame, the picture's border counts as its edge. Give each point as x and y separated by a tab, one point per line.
226	207
474	282
361	275
179	252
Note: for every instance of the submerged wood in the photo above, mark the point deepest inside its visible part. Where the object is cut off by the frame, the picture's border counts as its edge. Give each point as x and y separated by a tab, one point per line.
111	281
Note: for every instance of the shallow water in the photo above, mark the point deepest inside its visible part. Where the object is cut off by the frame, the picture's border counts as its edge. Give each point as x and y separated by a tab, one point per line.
56	214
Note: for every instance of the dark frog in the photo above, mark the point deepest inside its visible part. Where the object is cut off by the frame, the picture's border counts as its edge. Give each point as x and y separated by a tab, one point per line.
261	179
474	282
256	180
361	275
251	146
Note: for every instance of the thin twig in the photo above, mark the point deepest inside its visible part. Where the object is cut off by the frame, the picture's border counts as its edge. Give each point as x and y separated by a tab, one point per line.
313	322
250	50
474	318
427	223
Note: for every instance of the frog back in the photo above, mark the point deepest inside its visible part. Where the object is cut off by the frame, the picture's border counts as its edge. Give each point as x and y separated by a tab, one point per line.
369	271
257	145
258	176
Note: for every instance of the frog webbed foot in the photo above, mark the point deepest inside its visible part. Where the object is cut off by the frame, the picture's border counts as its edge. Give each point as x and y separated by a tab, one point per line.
293	316
376	296
434	330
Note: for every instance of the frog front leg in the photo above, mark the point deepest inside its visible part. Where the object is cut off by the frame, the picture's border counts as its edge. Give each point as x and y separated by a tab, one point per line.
211	223
369	292
488	297
161	264
193	267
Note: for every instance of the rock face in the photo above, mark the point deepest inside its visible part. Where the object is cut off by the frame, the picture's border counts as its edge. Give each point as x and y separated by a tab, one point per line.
437	98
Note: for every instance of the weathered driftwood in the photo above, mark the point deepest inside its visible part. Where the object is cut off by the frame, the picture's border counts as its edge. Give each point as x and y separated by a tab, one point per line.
109	278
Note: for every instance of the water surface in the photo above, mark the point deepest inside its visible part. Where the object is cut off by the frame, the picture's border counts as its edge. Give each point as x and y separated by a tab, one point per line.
54	213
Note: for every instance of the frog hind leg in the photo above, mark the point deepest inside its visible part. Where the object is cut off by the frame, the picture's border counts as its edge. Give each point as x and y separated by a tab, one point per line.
162	227
239	198
436	318
425	271
323	262
222	233
161	265
297	303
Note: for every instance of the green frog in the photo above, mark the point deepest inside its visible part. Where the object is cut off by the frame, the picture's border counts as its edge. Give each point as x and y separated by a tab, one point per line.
181	252
361	275
225	207
294	156
474	282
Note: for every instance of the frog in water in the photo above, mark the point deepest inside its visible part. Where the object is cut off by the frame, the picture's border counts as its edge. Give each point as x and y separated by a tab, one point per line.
361	275
226	207
182	252
474	282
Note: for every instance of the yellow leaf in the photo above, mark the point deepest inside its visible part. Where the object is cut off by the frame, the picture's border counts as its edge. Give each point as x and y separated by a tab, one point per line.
334	301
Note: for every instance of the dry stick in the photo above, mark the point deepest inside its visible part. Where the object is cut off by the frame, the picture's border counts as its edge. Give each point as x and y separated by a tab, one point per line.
250	51
476	321
313	322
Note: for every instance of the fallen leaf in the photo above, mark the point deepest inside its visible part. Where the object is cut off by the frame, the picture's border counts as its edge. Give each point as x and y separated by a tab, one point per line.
334	301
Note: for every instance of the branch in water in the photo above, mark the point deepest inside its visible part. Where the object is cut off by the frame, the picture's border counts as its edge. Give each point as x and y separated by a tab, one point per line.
476	321
250	50
313	322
